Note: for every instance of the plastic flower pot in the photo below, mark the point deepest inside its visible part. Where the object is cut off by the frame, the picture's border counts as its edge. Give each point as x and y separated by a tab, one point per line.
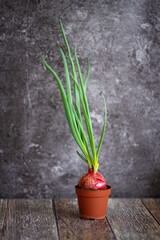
92	203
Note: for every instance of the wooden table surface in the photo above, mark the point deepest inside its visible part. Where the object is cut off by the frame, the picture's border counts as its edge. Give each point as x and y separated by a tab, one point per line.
59	219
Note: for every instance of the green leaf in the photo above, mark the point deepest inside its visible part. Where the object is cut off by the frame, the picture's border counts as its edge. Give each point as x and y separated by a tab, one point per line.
66	108
81	81
104	125
77	130
73	71
69	95
87	76
85	160
65	39
87	121
83	135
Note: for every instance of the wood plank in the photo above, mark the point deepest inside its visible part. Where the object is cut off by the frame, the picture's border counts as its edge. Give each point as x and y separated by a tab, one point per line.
153	205
130	219
70	226
30	219
3	211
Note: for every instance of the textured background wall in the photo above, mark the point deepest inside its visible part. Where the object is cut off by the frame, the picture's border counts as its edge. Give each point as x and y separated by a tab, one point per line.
121	38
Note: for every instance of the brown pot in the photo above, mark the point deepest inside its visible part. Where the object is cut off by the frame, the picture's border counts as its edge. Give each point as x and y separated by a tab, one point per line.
92	203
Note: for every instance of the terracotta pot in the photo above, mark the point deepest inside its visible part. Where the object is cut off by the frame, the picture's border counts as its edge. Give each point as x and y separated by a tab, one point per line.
92	203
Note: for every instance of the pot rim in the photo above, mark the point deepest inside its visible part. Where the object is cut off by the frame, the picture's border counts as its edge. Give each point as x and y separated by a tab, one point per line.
93	193
107	188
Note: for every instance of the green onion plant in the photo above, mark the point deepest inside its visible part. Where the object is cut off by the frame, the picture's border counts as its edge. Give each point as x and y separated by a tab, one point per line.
74	109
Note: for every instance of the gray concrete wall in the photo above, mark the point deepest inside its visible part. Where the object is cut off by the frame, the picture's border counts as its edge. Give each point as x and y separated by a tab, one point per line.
121	38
